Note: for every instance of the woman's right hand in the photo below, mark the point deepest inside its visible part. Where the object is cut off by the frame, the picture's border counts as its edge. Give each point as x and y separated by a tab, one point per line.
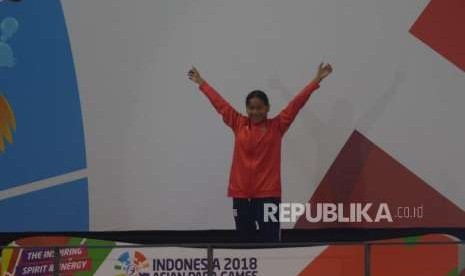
194	76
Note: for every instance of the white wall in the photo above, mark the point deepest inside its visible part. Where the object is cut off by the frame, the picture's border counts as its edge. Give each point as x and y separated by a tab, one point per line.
159	155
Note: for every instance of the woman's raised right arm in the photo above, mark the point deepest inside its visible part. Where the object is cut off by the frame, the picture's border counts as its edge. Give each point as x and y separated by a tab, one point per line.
230	116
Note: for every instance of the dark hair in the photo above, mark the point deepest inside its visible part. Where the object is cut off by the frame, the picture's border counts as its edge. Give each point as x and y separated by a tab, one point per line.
257	94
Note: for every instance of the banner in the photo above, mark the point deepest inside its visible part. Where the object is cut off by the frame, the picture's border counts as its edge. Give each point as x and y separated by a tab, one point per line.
407	256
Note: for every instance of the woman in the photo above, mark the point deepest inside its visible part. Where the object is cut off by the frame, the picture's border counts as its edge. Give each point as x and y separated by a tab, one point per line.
255	177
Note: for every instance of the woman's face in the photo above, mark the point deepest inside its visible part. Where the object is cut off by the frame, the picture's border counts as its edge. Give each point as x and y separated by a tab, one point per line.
257	110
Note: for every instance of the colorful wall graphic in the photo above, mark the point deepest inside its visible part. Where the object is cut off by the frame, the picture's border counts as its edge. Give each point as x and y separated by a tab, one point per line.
41	130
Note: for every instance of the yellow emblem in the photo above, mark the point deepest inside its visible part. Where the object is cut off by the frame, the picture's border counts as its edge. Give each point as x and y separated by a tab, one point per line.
7	123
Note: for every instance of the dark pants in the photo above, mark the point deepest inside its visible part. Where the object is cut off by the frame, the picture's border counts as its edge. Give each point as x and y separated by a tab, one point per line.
250	222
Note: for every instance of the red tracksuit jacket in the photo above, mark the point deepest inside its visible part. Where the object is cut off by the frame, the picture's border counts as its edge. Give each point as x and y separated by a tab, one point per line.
256	165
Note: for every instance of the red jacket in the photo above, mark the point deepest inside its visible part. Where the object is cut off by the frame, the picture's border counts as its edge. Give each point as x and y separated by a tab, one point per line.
256	165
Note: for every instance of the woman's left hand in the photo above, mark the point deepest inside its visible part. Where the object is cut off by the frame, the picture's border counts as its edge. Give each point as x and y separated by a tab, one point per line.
323	71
